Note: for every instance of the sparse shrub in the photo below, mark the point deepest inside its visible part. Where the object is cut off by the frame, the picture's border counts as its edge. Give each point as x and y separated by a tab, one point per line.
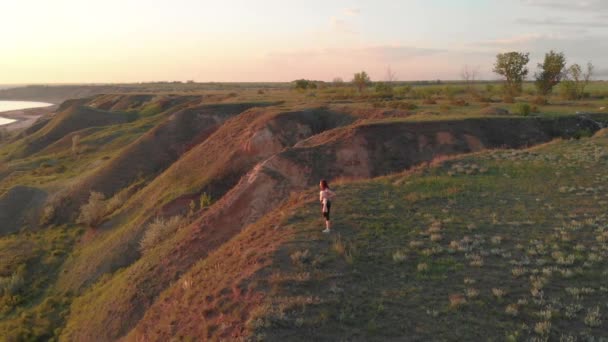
422	267
472	293
117	201
593	317
93	212
512	310
384	89
540	101
534	109
436	237
346	250
75	144
399	256
498	293
191	208
205	200
300	258
408	106
338	245
261	92
159	230
518	271
582	133
48	215
457	300
496	240
11	284
568	90
523	109
469	281
402	90
459	102
542	328
401	105
416	243
476	261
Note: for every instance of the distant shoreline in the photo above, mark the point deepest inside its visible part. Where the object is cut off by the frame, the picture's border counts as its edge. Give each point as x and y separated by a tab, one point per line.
24	117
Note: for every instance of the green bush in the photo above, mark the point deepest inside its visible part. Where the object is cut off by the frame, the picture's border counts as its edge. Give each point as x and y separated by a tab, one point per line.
93	212
159	230
582	133
205	200
568	90
48	215
385	89
523	109
402	90
11	284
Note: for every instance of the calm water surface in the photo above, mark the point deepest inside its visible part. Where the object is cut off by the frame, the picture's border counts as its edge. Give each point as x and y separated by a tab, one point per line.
6	106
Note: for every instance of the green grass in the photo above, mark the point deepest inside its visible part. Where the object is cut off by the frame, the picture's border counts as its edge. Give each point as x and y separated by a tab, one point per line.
506	244
32	310
539	212
422	254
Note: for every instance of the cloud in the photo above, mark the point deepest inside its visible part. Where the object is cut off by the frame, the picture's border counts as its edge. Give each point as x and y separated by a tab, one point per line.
351	12
381	53
601	73
557	21
586	5
511	41
339	25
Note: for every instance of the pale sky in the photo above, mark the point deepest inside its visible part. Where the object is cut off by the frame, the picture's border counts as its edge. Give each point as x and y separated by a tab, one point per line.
63	41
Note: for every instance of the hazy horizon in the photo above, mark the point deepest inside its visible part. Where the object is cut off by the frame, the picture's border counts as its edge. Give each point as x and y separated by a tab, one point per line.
113	41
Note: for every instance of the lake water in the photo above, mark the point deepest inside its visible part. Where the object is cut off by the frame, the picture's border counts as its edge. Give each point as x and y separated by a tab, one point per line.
6	106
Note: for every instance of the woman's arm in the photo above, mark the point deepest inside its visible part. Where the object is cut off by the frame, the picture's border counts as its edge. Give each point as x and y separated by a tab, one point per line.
331	194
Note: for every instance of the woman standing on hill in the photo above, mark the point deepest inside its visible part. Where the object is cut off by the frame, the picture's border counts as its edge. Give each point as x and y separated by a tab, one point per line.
325	196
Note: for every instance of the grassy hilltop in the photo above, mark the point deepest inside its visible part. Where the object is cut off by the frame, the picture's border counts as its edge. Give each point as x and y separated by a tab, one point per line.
188	211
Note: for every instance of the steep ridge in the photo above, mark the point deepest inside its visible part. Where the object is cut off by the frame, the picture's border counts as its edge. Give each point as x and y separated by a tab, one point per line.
363	150
217	159
236	147
293	283
153	152
71	116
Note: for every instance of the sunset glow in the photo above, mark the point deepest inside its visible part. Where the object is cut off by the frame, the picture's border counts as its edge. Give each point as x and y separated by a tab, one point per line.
131	41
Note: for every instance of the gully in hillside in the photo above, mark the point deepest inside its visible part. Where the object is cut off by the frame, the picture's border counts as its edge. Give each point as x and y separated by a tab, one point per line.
325	196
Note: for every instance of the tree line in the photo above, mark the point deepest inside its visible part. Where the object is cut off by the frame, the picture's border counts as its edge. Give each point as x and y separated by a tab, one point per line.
512	67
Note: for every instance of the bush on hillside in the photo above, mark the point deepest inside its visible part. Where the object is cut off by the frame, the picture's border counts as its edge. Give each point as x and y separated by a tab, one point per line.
93	212
48	215
304	84
159	230
11	284
540	101
205	200
384	89
117	201
523	109
402	91
568	90
402	105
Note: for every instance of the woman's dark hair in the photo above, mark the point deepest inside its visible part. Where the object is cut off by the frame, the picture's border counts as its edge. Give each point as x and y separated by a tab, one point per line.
324	184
